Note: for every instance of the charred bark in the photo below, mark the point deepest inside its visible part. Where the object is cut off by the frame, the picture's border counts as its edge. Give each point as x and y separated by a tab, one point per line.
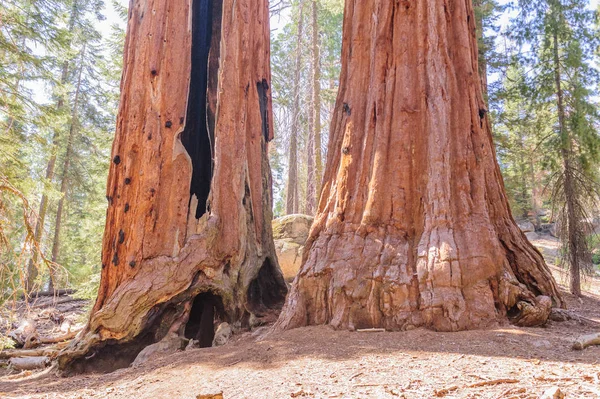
413	226
188	232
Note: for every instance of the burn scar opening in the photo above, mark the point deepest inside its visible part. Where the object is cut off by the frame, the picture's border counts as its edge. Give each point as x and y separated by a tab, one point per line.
198	134
263	102
206	314
267	291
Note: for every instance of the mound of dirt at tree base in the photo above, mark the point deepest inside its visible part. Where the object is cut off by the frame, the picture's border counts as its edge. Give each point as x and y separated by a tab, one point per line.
317	362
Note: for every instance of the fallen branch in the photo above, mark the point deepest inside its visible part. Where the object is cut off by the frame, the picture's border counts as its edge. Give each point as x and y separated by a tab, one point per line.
561	315
38	294
50	352
493	382
371	330
445	391
586	340
57	302
10	354
55	340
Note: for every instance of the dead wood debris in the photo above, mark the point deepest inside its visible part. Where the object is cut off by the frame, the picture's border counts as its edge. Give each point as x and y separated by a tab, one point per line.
586	340
371	330
213	396
445	391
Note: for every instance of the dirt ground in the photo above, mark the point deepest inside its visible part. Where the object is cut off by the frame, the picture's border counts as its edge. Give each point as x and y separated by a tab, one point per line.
318	362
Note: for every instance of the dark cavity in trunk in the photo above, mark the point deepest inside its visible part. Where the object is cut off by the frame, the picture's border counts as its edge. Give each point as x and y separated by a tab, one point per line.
198	134
207	310
266	292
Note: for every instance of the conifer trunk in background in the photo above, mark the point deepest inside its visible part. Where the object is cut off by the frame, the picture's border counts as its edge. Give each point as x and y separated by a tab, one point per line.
309	201
64	180
316	105
413	226
480	27
566	153
189	219
291	206
32	265
314	166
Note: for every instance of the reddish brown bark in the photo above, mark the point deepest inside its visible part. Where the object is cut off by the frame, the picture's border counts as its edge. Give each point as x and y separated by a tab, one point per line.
163	247
413	226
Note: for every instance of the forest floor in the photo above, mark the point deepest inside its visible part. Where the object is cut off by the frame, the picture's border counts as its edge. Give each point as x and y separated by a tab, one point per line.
318	362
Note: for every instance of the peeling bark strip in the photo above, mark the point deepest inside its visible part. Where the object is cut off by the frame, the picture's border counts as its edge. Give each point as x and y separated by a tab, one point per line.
413	226
175	263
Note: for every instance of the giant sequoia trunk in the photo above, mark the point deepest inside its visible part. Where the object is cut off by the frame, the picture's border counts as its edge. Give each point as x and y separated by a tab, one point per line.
413	226
188	227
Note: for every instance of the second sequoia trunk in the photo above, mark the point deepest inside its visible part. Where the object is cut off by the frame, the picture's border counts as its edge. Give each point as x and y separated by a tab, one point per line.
413	226
188	237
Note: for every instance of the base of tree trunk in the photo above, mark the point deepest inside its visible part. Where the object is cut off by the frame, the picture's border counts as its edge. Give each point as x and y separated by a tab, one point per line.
121	330
370	279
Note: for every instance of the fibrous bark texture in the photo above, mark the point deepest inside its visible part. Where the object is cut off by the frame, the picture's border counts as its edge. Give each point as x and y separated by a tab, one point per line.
188	231
413	226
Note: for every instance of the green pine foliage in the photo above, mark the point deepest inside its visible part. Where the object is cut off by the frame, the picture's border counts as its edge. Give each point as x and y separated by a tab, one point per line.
554	109
59	89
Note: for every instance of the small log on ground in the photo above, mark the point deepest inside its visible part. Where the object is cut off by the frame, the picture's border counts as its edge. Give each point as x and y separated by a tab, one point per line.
50	352
56	302
562	315
29	363
38	294
586	340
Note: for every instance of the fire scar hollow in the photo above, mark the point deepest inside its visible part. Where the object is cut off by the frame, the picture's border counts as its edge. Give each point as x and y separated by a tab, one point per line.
196	218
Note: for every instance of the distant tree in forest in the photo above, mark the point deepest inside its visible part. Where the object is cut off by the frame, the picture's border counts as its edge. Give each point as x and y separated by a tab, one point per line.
58	129
302	112
520	129
558	41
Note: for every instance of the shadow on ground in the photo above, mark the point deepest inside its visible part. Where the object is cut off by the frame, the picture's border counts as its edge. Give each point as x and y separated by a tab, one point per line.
549	344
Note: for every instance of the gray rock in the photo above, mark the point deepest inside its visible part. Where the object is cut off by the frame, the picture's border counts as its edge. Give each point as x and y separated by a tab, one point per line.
170	344
222	335
531	236
526	226
292	227
290	234
542	343
193	344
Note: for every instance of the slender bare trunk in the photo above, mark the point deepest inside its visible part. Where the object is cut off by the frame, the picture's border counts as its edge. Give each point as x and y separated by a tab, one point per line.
32	266
65	176
314	118
316	99
292	183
